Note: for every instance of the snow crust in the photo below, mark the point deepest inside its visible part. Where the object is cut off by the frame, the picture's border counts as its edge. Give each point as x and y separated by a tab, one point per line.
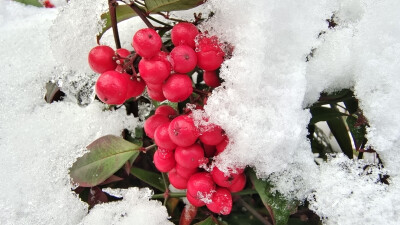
261	105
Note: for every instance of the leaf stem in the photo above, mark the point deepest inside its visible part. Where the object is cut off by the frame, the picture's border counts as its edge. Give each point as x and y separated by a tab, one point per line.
159	21
172	195
166	184
112	4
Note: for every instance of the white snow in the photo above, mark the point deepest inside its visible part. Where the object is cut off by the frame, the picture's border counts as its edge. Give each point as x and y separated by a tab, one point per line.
260	106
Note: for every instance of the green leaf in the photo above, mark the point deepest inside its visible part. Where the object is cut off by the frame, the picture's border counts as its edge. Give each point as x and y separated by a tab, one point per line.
281	208
210	221
341	134
123	12
151	178
30	2
154	6
323	114
106	155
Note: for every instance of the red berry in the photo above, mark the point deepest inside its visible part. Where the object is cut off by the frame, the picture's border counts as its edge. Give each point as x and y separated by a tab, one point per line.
161	137
209	53
153	71
122	54
212	134
155	92
183	59
222	179
48	4
190	157
221	202
184	34
222	145
182	131
166	110
176	180
147	42
177	87
239	184
163	56
135	86
209	150
185	172
201	186
163	163
165	153
151	124
211	78
112	87
194	201
101	59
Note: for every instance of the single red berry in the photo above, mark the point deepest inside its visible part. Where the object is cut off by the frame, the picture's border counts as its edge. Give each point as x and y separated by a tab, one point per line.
176	180
166	110
182	131
211	78
209	53
212	134
162	163
185	172
161	137
122	54
221	202
155	92
164	57
194	201
147	42
209	150
190	157
165	153
112	87
153	71
136	86
239	184
48	4
177	87
222	179
183	59
184	34
201	186
151	124
222	145
101	59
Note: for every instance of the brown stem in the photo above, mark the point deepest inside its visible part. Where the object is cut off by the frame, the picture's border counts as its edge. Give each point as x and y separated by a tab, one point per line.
141	14
200	92
112	4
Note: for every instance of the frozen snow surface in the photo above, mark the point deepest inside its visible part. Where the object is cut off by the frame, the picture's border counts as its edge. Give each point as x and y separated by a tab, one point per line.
260	106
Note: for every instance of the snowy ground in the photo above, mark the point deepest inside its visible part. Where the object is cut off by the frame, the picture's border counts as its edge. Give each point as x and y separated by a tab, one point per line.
268	84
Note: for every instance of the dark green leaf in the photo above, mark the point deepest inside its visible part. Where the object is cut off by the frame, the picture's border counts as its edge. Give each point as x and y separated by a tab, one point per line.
351	105
106	155
30	2
210	221
154	6
151	178
281	207
320	113
358	133
341	134
124	12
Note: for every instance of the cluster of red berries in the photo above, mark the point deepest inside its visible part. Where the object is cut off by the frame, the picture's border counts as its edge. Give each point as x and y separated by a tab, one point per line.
184	151
164	74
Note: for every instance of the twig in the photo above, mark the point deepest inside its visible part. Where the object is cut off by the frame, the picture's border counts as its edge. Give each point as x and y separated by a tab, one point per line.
112	4
141	14
254	212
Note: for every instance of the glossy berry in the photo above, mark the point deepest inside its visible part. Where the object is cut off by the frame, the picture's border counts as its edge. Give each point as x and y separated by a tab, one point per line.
190	157
184	34
182	131
147	42
185	172
48	4
201	186
176	180
122	54
163	163
111	88
222	179
166	110
212	134
194	201
165	153
221	202
177	87
161	137
239	184
222	145
136	86
211	79
151	124
101	59
209	53
209	150
183	59
155	92
153	71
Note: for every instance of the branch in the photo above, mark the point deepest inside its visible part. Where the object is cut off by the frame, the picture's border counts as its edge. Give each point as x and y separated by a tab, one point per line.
112	4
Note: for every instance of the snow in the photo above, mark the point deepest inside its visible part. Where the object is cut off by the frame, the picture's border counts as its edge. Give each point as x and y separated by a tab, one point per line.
261	105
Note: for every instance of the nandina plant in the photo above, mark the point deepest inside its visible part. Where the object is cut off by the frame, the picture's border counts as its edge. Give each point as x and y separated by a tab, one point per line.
170	149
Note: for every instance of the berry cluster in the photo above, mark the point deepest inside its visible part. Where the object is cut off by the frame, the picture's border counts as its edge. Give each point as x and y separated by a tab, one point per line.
164	74
184	149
